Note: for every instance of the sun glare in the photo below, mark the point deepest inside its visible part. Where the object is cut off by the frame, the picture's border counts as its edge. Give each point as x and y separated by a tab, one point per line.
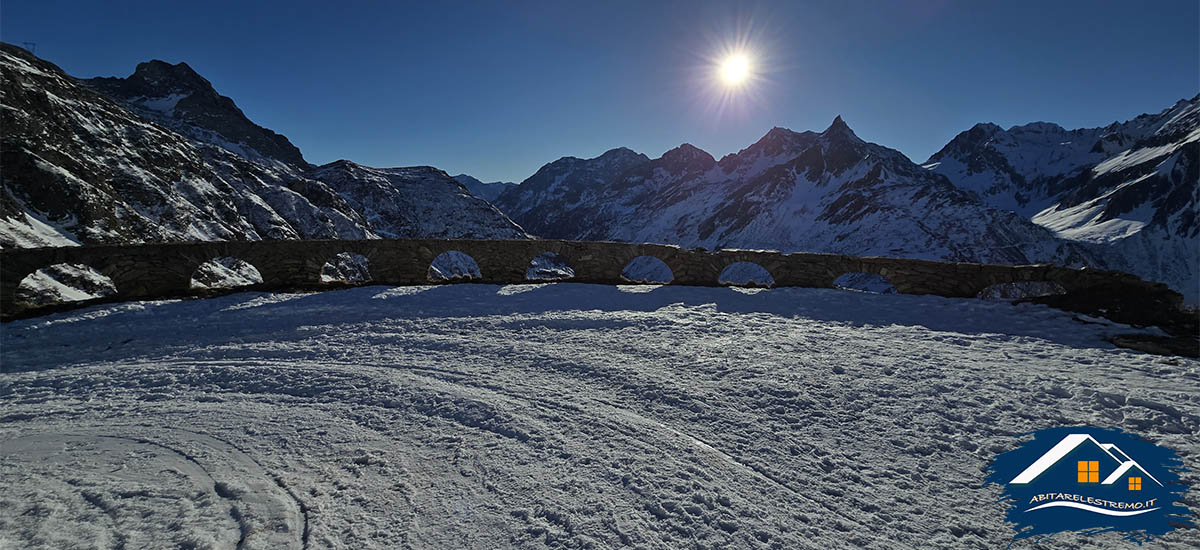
735	69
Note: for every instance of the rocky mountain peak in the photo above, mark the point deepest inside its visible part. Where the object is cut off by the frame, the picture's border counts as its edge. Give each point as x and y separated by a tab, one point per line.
686	158
966	143
985	129
838	129
1037	128
778	141
688	153
157	76
178	96
340	164
622	155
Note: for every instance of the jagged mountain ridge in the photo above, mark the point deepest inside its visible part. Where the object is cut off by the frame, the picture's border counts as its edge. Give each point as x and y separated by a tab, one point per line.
790	191
1041	165
1127	192
81	167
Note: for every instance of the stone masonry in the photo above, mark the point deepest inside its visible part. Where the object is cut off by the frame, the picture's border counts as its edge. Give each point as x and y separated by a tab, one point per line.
149	271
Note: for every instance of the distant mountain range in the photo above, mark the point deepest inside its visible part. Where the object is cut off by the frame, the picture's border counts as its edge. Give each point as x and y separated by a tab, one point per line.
161	156
487	191
1120	197
824	192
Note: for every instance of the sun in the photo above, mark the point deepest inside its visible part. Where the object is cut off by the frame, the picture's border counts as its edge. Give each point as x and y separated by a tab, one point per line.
735	69
733	74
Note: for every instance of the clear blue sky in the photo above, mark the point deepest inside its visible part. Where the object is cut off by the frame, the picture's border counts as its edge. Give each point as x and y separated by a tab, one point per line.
496	89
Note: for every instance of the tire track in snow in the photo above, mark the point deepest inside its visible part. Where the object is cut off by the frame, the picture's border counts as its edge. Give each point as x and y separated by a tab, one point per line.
304	538
249	507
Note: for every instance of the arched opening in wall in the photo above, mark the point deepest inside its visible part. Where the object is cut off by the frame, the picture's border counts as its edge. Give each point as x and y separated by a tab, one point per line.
864	282
225	272
62	283
647	269
548	266
346	267
747	274
1023	289
453	265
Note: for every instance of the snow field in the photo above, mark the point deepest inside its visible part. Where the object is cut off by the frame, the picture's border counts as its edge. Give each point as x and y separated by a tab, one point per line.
555	416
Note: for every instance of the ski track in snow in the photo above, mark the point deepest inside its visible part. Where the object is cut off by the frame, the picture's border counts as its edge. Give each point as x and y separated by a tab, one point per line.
555	416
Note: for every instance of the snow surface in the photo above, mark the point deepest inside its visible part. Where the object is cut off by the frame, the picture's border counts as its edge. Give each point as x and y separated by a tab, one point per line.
165	105
746	273
452	265
32	231
225	272
555	416
548	266
64	283
865	282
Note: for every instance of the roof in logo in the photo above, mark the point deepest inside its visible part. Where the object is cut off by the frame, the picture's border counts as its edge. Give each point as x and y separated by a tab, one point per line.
1068	444
1125	467
1118	452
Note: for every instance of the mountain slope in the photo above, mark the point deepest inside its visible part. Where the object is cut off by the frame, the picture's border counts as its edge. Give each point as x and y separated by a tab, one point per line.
487	191
1127	192
823	192
558	200
175	93
417	201
80	167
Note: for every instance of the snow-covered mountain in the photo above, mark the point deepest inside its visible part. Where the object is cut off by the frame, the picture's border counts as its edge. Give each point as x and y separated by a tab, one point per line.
417	201
161	156
561	198
1127	192
168	159
182	99
487	191
823	192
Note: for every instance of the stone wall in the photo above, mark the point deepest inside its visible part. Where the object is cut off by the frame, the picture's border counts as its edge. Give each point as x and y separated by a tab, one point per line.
161	270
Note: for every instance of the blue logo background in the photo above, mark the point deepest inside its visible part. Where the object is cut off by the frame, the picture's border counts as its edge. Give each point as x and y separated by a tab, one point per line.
1064	477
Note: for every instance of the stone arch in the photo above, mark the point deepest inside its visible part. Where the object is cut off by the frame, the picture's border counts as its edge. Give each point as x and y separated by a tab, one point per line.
1021	289
225	272
647	269
749	274
861	281
549	266
453	265
347	268
62	283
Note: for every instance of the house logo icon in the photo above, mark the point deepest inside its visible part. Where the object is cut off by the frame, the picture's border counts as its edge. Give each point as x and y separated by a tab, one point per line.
1091	480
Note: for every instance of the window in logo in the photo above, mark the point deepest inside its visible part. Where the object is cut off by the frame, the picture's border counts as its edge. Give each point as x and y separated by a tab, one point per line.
1135	484
1089	471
